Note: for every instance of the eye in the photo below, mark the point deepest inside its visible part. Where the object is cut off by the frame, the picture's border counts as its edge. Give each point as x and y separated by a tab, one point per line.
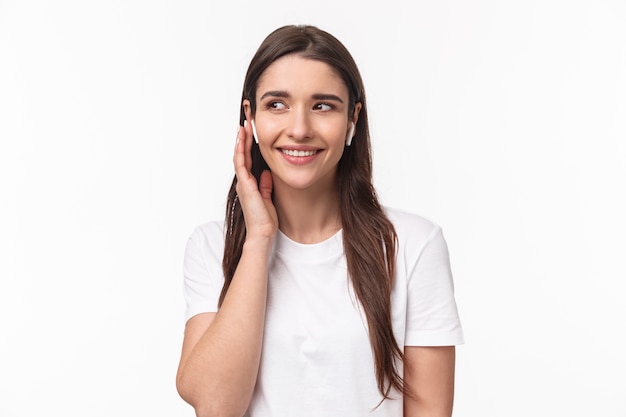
323	106
276	105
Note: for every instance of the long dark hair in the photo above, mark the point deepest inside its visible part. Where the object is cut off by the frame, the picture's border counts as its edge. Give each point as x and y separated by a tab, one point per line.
369	238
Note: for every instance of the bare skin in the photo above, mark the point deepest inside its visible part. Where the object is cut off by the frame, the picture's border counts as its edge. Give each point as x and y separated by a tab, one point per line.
429	371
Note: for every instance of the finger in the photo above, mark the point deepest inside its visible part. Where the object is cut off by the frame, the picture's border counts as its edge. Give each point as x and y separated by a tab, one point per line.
248	148
239	160
266	185
237	137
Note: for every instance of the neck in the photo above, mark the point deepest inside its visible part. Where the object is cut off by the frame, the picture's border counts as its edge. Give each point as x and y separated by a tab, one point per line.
307	216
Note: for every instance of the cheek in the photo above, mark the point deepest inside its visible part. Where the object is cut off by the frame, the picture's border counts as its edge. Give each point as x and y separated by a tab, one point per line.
268	131
335	131
265	153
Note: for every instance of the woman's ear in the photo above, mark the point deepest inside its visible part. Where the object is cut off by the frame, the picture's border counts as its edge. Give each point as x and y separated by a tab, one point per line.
355	114
352	128
247	110
350	134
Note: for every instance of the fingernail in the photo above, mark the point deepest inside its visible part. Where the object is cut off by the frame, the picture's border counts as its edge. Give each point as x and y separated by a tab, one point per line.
245	123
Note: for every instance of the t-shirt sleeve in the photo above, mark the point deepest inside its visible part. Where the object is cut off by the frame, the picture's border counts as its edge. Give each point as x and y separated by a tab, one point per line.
432	315
203	277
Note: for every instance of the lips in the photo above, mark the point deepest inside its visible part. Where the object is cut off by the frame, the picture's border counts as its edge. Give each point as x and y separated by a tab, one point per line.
301	153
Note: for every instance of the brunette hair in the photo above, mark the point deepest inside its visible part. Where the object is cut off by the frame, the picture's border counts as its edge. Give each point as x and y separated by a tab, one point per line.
369	238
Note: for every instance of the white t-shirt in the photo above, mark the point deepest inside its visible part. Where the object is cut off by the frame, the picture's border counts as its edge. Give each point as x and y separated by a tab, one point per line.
317	358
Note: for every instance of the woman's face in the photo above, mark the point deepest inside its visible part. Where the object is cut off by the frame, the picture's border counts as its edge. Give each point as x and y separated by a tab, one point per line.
302	121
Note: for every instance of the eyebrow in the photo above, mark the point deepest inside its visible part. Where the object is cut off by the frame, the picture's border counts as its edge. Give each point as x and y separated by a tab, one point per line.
284	94
275	93
327	97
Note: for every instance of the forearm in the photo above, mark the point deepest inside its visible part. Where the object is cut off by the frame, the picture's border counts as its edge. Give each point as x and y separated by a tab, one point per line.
220	372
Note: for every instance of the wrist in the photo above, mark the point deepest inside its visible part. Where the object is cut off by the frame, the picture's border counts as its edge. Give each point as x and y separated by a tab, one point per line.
258	244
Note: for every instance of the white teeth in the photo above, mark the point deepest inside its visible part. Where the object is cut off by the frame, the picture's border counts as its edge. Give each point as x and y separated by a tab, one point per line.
291	152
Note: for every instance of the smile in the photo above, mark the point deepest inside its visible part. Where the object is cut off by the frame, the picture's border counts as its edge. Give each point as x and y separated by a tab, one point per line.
292	152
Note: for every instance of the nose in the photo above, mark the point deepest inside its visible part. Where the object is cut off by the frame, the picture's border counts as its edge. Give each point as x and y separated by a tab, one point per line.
299	126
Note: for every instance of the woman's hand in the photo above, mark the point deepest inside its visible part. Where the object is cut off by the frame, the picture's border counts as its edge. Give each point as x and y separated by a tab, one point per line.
221	351
256	200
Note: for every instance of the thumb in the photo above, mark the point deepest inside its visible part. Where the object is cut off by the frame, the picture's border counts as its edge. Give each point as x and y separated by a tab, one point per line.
266	185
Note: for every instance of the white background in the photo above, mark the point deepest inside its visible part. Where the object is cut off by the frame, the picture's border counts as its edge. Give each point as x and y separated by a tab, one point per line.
503	121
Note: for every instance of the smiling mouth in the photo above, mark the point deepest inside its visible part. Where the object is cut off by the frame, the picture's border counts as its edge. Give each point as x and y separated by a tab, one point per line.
292	152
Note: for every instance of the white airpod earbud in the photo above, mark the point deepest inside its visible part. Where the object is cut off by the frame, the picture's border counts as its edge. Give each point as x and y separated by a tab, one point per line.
256	135
350	134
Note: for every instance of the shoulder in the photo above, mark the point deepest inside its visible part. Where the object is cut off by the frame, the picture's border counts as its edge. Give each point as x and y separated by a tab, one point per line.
208	231
203	276
416	234
208	237
410	225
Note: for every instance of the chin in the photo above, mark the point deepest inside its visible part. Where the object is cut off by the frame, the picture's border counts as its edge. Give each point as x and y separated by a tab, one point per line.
303	183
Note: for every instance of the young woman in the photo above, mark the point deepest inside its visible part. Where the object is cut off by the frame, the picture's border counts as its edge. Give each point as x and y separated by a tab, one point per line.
312	299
